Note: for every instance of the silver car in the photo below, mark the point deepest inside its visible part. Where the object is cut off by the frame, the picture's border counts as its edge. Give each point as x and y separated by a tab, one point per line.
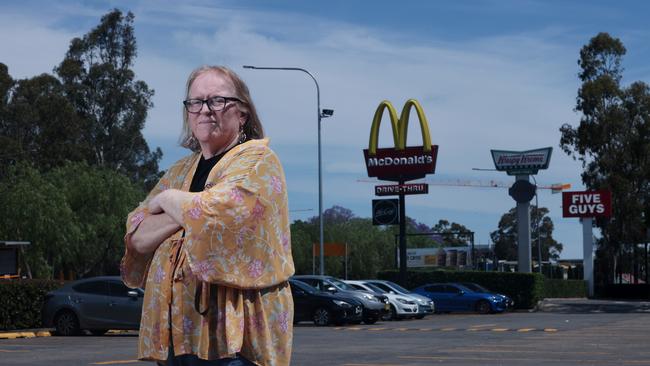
95	304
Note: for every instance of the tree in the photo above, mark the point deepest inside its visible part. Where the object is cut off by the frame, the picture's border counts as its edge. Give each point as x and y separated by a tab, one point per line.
38	124
612	142
98	80
541	228
73	216
453	234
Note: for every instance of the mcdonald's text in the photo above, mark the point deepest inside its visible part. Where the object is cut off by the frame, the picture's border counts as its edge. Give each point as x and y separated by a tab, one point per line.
406	164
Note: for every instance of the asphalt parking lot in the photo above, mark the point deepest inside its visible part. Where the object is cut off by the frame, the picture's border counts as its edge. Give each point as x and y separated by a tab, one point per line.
571	332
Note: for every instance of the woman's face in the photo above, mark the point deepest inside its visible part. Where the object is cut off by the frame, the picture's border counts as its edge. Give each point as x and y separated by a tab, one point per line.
215	130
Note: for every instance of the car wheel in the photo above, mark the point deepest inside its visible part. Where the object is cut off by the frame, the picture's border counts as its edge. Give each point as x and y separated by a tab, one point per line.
392	315
370	320
98	332
322	317
66	323
483	307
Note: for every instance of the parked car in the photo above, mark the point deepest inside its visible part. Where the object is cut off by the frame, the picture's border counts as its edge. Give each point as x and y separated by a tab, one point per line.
510	304
373	307
454	297
401	306
323	308
95	304
425	305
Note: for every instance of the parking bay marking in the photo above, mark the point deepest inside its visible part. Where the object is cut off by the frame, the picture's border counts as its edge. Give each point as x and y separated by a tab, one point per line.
471	329
114	362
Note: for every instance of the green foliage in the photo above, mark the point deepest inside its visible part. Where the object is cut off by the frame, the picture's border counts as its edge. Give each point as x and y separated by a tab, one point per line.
565	288
613	144
371	248
453	234
526	289
73	216
21	302
505	237
99	82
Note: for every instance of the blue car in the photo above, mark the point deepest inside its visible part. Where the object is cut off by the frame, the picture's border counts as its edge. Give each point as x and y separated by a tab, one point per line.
510	304
450	297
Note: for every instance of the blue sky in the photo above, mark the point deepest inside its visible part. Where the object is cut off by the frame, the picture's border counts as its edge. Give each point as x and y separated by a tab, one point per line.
489	75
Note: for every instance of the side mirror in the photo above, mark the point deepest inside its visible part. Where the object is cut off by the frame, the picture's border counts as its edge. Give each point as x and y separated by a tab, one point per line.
133	294
391	292
331	289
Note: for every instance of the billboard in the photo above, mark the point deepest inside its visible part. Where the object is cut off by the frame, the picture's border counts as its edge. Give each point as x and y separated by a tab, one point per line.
587	204
521	162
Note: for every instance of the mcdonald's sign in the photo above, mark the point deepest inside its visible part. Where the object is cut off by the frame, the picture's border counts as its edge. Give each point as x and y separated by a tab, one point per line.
400	163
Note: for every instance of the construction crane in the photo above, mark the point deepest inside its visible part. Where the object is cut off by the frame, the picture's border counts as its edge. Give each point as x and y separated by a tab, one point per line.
475	183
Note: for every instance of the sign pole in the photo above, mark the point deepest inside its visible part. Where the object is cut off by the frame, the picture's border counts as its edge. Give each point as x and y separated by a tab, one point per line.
523	233
402	237
588	253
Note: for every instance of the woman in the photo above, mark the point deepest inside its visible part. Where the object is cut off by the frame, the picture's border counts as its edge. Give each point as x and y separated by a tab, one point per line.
211	243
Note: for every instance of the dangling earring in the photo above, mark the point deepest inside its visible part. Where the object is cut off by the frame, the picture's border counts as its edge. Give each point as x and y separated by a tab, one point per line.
242	134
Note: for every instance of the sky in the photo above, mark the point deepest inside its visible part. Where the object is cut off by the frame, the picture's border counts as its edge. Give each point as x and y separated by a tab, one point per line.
489	75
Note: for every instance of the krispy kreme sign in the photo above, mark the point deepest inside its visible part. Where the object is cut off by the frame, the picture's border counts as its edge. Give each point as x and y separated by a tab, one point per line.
521	162
400	163
587	204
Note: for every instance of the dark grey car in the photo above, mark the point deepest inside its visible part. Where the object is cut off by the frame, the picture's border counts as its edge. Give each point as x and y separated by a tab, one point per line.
95	304
374	308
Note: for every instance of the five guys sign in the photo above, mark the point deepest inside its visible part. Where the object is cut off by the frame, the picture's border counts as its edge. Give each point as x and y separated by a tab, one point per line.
587	204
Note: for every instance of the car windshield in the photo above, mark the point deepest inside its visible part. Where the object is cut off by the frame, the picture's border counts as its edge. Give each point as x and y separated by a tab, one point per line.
398	287
475	287
374	288
342	285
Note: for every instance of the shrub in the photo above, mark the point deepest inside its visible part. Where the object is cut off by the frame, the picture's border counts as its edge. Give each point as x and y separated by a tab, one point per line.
21	302
565	288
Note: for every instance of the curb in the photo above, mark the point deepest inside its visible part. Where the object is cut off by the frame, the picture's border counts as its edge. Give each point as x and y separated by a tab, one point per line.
14	335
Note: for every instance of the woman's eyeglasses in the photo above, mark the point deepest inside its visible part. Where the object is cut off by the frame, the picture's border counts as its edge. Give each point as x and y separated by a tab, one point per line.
214	103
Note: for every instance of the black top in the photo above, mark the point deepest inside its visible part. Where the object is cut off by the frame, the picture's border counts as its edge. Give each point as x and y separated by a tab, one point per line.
202	172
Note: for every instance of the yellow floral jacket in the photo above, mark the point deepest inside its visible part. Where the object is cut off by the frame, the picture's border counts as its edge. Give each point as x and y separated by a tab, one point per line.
233	260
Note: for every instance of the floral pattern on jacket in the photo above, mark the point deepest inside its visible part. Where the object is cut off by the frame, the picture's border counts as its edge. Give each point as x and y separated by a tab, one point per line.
235	249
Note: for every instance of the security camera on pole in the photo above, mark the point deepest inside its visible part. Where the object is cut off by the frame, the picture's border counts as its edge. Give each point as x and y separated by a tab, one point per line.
522	164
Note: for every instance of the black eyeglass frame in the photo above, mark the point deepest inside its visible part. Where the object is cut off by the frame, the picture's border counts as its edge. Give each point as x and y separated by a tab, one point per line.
207	102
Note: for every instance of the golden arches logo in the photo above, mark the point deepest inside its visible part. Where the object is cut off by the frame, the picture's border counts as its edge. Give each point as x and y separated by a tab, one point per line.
399	126
400	163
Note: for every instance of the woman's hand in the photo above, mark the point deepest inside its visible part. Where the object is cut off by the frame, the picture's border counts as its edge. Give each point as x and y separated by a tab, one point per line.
155	204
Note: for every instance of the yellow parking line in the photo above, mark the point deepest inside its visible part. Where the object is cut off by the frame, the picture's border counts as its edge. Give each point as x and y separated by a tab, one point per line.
426	329
483	325
377	328
401	329
550	330
473	329
11	350
500	329
447	329
525	329
114	362
354	328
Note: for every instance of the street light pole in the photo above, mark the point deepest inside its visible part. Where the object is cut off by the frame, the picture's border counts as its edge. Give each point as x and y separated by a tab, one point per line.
539	237
320	115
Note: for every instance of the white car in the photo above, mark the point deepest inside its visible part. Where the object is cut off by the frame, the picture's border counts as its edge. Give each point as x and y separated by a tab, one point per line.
425	305
401	306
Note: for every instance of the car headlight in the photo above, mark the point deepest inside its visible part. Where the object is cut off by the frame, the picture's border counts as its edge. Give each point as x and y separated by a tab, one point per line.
370	297
493	298
341	303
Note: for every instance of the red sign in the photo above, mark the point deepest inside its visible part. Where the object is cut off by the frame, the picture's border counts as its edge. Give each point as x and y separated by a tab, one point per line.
587	204
392	190
407	164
